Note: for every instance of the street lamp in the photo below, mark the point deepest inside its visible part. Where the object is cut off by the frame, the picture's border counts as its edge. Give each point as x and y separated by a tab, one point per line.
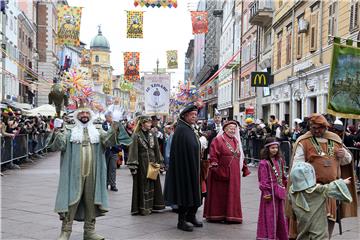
157	66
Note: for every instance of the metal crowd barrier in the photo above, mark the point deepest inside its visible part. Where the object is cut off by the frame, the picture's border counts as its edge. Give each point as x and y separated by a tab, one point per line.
20	146
252	148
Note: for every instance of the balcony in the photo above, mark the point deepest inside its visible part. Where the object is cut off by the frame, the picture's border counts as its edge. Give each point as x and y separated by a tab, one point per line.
261	12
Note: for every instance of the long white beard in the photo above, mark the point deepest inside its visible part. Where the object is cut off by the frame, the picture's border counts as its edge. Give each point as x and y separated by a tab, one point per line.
78	131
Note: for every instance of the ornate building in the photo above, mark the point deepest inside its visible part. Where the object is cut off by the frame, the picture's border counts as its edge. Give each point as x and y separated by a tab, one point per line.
101	70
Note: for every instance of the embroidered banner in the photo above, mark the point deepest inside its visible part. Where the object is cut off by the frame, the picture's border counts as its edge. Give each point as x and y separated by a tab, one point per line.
344	83
135	24
156	3
68	25
199	22
172	62
157	93
85	57
131	66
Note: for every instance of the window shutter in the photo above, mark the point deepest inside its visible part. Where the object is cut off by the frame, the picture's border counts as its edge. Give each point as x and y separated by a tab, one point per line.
313	31
352	22
288	48
279	53
355	22
330	26
299	46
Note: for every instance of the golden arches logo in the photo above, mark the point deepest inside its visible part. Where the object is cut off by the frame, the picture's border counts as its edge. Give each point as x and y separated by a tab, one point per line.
261	78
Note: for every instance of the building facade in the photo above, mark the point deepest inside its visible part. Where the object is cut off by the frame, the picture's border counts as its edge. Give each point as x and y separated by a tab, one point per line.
69	57
10	47
48	68
211	57
246	93
302	53
226	51
28	55
261	15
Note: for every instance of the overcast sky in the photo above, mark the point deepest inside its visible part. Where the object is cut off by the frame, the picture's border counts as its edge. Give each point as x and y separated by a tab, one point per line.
164	29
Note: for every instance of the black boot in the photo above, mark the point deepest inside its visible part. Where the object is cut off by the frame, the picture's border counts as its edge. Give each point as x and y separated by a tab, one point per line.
192	219
182	224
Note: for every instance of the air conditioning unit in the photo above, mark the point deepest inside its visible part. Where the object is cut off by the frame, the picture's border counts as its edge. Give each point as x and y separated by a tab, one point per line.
303	26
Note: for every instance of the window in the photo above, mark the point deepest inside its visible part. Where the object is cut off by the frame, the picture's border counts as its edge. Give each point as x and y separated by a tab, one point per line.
11	24
245	23
313	30
288	44
267	41
299	41
280	3
253	48
242	88
30	44
279	38
332	20
354	15
247	93
96	58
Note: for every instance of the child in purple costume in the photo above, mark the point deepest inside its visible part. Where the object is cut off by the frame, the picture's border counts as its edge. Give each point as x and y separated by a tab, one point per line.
272	224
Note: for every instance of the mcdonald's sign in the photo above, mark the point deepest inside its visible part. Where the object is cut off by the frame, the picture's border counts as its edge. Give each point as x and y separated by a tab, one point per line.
261	79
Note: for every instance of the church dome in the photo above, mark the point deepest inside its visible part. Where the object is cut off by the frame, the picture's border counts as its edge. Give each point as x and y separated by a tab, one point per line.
100	42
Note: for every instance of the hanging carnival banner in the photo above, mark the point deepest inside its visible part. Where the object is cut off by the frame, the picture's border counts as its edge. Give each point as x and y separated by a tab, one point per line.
344	83
157	93
199	22
135	24
131	66
172	62
68	25
85	57
156	3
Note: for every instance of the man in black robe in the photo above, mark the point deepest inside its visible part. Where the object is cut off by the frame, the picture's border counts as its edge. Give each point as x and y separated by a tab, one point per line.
182	185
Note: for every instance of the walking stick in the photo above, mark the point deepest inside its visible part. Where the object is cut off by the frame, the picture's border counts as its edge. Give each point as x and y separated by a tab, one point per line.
338	218
338	203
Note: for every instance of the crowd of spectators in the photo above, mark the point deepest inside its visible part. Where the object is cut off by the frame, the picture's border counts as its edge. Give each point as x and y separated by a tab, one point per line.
18	130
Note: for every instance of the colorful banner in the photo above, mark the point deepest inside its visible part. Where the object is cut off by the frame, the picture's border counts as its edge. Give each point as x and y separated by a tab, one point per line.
135	24
172	59
157	93
156	3
199	22
131	66
344	83
68	25
85	57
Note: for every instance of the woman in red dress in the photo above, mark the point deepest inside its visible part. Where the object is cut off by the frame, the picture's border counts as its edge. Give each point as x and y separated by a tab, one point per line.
223	200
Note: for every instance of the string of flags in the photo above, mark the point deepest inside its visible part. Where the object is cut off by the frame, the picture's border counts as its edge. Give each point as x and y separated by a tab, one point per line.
156	3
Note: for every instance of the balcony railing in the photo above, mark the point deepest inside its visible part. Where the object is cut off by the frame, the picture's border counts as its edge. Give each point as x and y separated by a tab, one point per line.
261	12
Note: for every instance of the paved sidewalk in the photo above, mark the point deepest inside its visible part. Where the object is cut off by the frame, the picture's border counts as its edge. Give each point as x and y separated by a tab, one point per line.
28	197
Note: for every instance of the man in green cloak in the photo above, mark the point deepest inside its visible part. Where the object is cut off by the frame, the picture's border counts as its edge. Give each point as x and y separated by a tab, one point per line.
82	193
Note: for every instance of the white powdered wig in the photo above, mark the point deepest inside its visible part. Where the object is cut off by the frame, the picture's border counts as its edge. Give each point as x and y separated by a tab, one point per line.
78	131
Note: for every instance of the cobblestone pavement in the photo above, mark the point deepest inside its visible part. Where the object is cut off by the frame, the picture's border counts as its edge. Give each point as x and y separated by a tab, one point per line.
28	195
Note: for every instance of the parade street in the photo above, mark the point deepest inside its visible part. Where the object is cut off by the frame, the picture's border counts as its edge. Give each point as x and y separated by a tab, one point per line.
28	197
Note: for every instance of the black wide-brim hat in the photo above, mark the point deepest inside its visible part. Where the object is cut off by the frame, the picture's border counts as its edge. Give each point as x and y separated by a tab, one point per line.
190	108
